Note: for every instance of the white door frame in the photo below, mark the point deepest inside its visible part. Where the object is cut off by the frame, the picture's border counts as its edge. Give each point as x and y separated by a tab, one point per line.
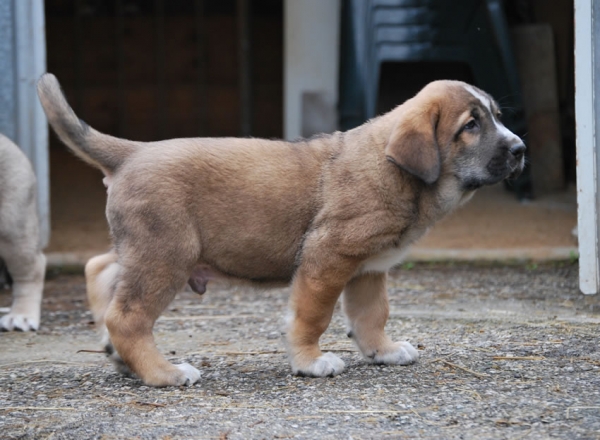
31	133
587	112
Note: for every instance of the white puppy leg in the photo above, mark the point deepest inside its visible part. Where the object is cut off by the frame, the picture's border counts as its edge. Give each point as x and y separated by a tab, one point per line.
27	272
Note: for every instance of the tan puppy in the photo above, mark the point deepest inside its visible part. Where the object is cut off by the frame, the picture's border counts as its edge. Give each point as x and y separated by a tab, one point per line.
20	244
331	214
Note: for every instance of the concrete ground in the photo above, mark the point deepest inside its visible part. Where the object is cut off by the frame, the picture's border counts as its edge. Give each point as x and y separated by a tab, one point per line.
507	351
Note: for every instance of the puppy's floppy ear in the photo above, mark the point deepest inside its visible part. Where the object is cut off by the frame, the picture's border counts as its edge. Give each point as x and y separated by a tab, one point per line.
413	145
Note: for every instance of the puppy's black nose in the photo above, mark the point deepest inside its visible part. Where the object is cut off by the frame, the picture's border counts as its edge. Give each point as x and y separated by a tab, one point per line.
518	150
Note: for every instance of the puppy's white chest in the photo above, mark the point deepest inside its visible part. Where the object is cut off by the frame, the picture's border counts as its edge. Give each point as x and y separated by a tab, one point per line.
385	260
388	258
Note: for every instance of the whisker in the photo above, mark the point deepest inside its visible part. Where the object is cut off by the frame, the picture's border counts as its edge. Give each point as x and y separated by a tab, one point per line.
510	95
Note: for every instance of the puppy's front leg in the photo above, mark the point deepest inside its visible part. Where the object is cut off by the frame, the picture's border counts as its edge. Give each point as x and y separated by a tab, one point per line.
367	309
314	294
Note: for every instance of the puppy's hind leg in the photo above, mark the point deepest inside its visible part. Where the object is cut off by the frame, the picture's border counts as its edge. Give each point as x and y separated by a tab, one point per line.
366	306
145	286
101	274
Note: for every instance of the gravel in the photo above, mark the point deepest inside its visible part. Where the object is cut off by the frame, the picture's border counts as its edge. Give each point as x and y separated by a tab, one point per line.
507	351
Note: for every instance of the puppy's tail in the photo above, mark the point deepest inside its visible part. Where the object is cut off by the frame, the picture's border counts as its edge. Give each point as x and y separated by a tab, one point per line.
100	150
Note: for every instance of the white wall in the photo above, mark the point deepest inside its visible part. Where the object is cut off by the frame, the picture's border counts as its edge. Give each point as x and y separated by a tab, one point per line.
311	57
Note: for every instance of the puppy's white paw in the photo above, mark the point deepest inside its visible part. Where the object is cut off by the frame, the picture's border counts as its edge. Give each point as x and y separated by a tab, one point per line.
20	322
191	374
400	353
326	365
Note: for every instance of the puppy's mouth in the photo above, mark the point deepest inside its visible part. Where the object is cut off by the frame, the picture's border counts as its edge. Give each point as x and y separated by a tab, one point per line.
515	173
498	169
501	167
515	168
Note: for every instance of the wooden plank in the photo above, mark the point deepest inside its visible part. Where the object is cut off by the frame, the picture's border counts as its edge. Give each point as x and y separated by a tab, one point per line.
100	103
200	25
98	51
140	64
60	40
140	108
224	110
180	50
160	52
267	50
245	66
534	53
182	108
221	50
267	117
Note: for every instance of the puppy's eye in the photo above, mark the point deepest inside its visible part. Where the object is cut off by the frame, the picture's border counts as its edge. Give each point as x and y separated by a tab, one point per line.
470	125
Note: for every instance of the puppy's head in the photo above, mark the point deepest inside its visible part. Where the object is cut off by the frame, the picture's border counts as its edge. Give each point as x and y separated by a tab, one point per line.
453	128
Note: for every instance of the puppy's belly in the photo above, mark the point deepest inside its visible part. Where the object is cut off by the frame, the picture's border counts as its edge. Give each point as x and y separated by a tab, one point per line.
203	273
384	261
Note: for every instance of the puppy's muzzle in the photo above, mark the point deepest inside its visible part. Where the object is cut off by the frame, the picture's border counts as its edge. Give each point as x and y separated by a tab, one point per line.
516	160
